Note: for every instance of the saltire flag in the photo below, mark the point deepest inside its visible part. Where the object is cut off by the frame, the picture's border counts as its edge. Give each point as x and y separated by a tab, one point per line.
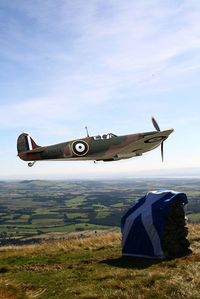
143	224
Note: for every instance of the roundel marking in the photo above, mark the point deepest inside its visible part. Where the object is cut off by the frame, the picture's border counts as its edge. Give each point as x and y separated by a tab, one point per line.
155	139
80	148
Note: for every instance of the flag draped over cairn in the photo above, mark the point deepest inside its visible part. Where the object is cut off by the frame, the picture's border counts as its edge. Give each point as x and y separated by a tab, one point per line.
155	226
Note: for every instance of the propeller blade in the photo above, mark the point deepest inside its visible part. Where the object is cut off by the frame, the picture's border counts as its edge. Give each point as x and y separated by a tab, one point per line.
155	124
162	151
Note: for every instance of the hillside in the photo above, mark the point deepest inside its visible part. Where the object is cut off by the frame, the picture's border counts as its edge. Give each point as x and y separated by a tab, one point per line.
91	267
33	210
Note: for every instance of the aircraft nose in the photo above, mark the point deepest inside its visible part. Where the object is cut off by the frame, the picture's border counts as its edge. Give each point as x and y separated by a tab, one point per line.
168	132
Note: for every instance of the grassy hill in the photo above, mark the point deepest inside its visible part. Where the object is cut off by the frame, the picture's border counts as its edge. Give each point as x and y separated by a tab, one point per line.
37	209
91	267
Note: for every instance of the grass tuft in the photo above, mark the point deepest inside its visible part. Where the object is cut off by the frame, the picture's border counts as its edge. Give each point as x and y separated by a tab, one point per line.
92	267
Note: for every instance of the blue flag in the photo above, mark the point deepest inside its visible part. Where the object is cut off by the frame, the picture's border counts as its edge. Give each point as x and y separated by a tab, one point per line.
143	224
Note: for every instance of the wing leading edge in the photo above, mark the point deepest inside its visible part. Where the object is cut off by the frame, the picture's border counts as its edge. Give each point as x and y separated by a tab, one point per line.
144	144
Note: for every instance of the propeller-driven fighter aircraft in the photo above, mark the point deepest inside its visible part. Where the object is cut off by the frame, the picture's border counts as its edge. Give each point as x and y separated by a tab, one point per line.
108	147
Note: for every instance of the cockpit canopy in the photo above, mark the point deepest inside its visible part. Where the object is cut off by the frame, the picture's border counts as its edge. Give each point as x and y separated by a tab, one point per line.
105	136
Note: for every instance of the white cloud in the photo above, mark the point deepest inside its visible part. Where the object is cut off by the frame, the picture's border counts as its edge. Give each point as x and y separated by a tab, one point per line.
123	42
91	53
68	62
134	37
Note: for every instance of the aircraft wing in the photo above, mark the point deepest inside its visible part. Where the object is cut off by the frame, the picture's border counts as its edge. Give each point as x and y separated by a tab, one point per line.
144	144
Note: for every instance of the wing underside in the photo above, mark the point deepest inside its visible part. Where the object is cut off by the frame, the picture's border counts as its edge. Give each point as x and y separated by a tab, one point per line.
144	144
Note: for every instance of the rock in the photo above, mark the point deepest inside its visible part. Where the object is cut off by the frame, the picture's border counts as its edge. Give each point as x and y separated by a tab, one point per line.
175	242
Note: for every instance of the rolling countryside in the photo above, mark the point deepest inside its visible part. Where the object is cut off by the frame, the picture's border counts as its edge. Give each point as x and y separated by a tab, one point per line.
33	210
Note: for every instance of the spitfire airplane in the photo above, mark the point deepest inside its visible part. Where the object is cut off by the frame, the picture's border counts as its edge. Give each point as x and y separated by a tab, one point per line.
108	147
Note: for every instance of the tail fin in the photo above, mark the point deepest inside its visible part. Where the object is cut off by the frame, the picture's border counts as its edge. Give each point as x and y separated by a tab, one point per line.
25	143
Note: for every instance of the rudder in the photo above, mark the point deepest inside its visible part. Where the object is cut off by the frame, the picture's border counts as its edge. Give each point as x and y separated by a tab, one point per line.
25	143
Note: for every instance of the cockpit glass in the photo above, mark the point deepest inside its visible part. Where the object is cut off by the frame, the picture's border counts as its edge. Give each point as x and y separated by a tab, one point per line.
105	136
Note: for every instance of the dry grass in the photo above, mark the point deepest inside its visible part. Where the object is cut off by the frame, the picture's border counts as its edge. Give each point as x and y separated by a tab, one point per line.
90	240
92	267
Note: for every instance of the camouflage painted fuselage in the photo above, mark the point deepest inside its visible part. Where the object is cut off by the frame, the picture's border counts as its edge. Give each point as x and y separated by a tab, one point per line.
107	147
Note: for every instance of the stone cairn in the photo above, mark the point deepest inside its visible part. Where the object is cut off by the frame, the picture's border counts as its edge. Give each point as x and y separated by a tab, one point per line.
175	242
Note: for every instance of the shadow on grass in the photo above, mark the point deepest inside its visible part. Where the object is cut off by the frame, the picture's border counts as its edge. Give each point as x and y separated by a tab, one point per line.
131	262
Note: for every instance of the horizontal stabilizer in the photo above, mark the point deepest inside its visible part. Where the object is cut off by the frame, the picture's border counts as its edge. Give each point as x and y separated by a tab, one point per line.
36	150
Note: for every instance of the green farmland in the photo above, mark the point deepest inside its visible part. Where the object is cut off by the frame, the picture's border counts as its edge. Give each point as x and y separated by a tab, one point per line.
31	209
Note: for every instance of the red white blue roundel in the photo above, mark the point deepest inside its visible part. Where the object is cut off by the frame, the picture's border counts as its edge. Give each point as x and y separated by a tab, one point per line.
80	148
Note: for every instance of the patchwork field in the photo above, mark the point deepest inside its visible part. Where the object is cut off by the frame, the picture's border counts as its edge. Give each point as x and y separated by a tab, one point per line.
33	210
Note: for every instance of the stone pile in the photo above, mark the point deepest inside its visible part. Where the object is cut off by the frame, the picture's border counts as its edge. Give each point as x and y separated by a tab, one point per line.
175	242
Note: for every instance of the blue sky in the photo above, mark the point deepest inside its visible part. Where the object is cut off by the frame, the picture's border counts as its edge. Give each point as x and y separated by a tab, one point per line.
110	65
